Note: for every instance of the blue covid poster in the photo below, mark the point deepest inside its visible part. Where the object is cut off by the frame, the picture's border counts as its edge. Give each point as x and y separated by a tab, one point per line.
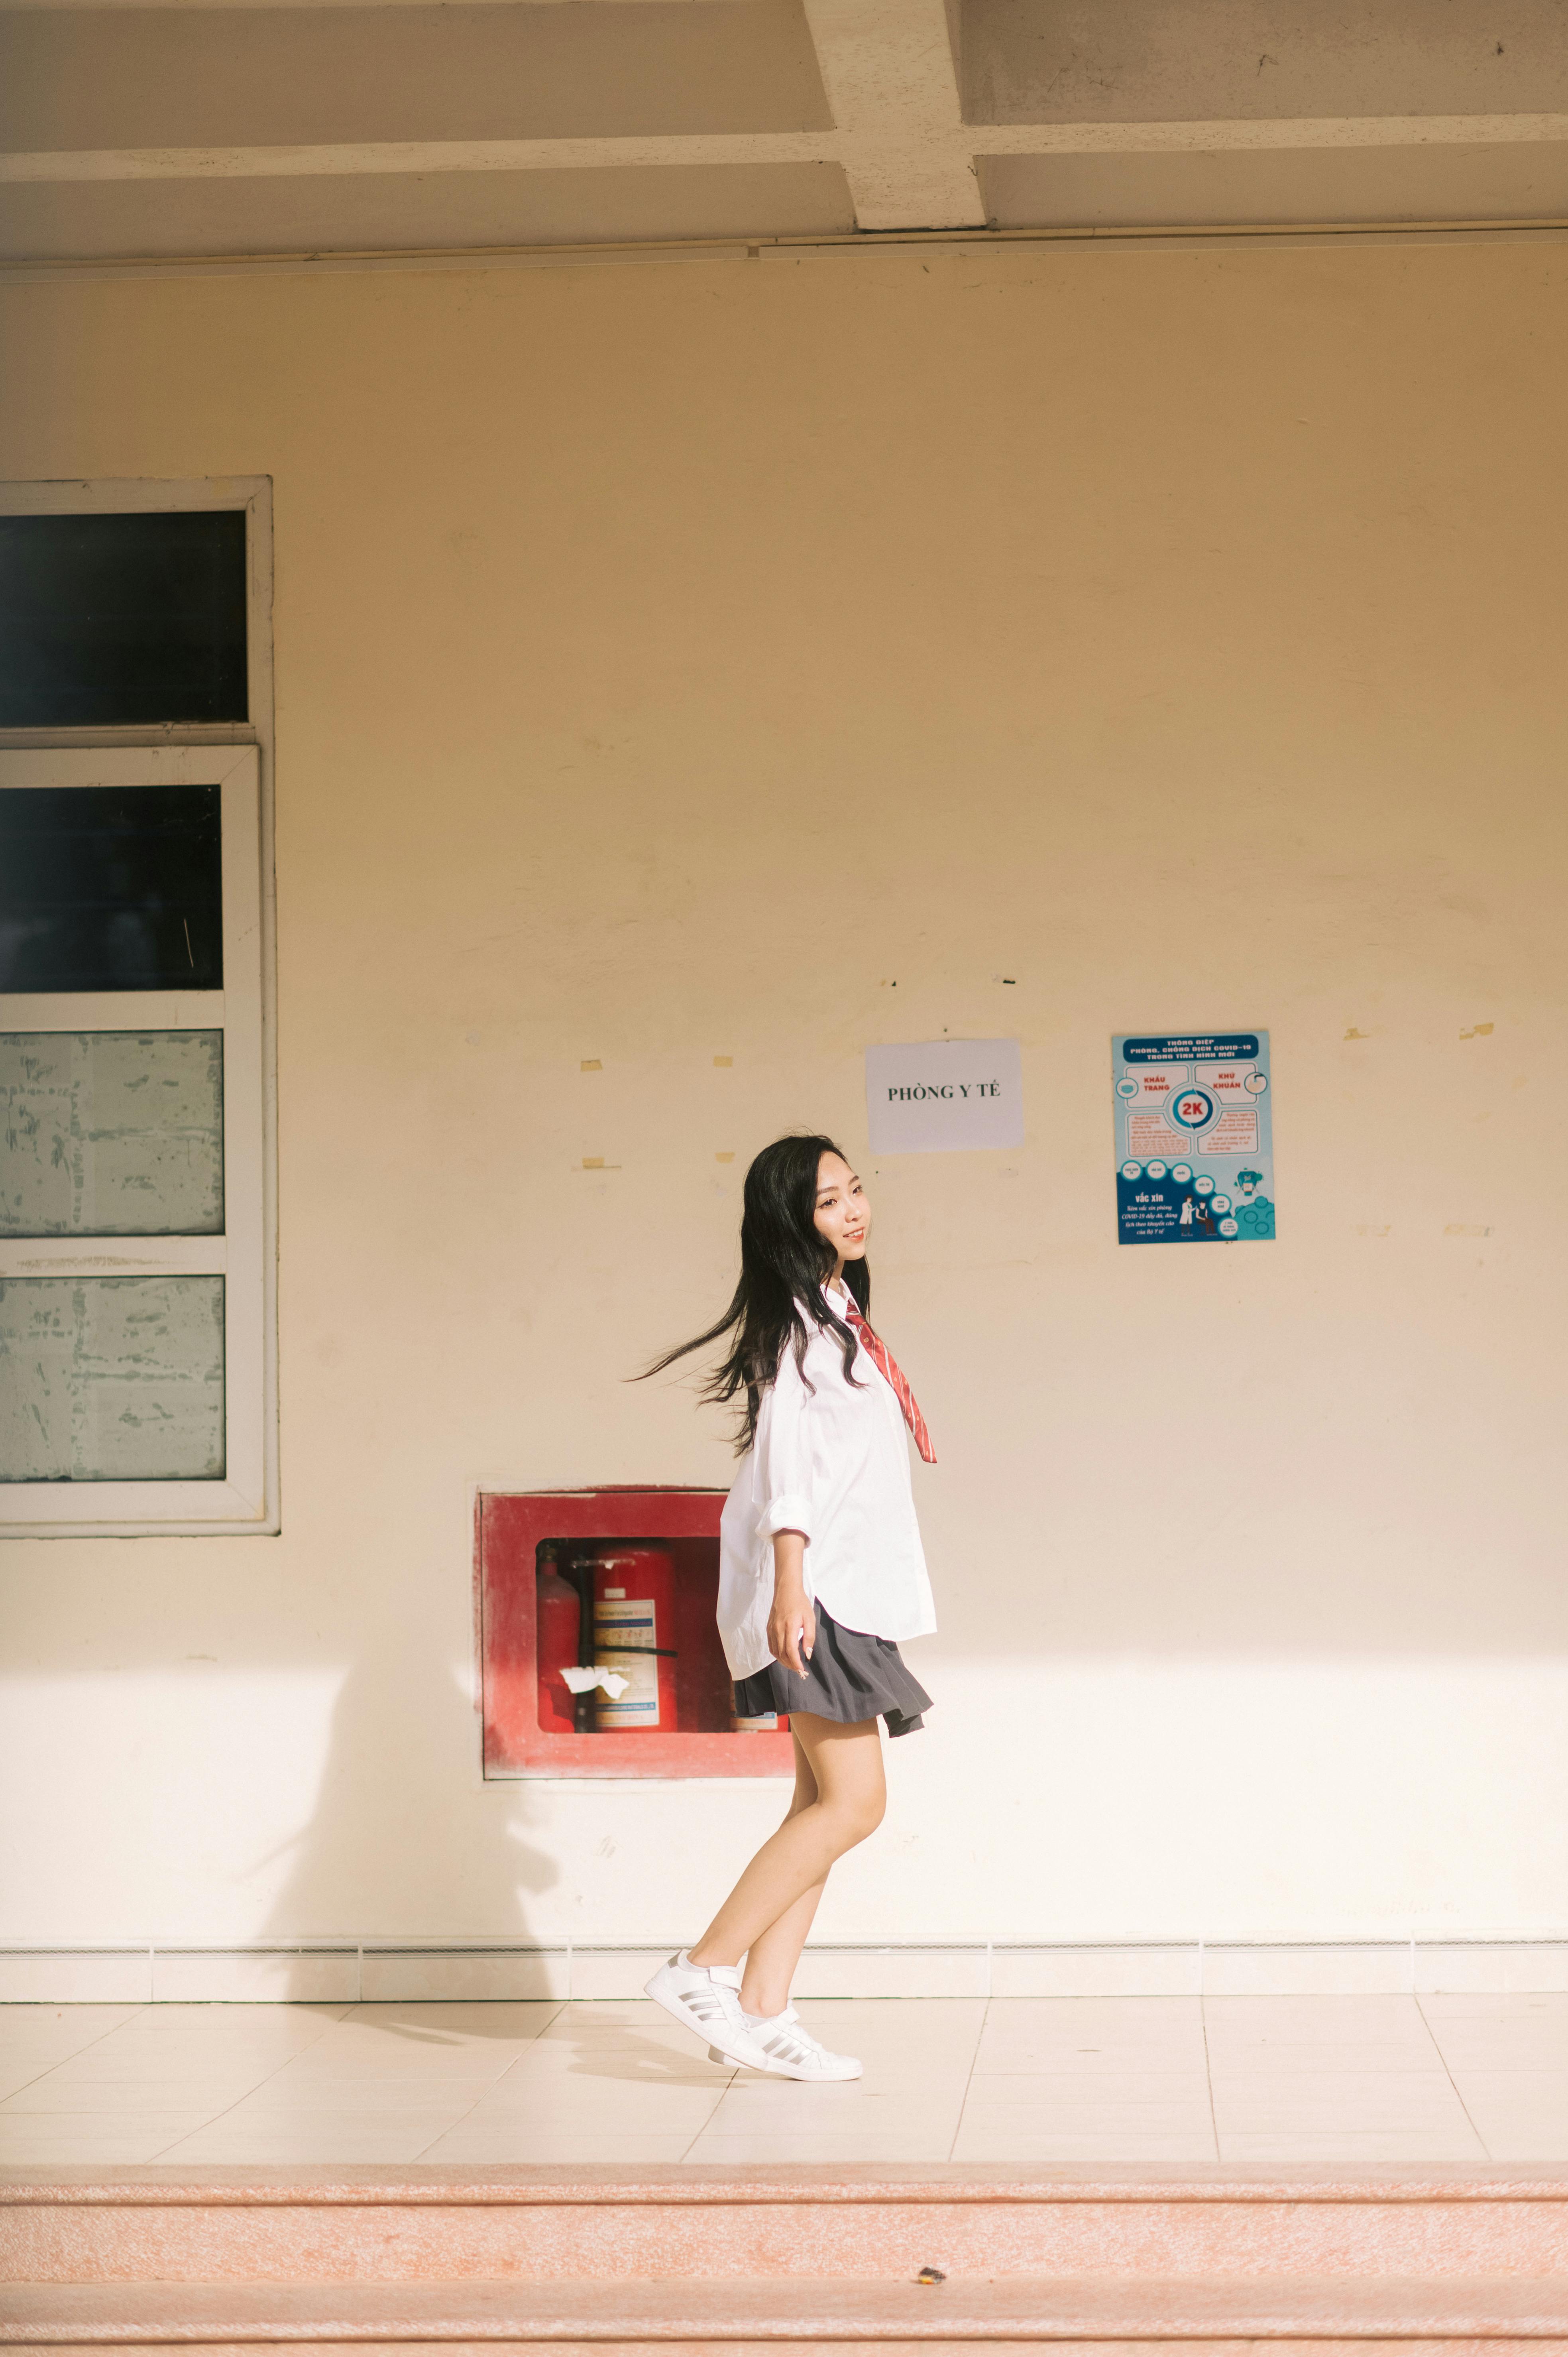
1195	1157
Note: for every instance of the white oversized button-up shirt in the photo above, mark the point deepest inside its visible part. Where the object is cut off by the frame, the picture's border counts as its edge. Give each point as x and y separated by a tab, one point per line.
832	1460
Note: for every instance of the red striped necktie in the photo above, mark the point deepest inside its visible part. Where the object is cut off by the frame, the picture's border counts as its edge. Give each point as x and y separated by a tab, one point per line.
896	1377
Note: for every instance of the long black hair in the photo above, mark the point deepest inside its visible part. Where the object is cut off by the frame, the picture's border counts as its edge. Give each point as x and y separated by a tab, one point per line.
784	1264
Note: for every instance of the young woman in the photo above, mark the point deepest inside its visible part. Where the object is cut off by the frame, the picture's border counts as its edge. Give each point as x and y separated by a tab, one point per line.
820	1574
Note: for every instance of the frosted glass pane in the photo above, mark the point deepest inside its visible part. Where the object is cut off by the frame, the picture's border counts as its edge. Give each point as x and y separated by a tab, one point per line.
112	1379
111	1134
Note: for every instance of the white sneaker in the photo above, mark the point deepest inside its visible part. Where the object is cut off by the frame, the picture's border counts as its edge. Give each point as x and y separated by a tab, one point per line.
789	2050
705	1999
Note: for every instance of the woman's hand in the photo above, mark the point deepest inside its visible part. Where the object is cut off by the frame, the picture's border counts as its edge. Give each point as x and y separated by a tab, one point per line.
792	1629
791	1624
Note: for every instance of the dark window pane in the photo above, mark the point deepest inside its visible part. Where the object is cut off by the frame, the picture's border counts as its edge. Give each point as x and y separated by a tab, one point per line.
114	620
111	887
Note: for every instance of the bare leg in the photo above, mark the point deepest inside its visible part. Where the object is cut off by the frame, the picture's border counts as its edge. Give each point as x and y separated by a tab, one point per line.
845	1763
771	1959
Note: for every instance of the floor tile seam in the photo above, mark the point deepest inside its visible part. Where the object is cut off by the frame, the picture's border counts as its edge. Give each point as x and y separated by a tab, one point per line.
1197	2069
1010	2037
1335	2037
1448	2072
324	2120
1392	2099
1004	2128
1399	2147
1267	2155
340	2014
198	2062
1455	2130
1359	2122
1224	2071
1524	2117
1391	2096
99	2110
1534	2066
1209	2076
382	2079
85	2048
846	2119
1435	2042
451	2128
265	2080
1535	2063
329	2112
558	2005
159	2020
223	2111
1326	2042
1004	2097
418	2078
707	2124
1168	2085
98	2126
267	2073
572	2099
385	2078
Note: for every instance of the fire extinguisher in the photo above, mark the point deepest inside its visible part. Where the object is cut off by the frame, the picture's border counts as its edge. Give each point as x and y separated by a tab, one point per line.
634	1621
560	1609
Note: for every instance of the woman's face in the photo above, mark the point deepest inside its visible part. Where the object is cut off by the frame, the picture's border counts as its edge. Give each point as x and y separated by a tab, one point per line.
844	1215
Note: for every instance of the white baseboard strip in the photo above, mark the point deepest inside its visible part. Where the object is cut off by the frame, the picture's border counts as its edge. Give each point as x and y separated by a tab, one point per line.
379	1971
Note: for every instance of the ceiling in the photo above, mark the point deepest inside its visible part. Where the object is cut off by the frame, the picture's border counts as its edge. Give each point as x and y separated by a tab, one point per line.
193	129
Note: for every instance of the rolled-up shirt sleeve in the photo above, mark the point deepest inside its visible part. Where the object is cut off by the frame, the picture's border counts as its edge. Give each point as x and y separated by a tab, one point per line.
784	1454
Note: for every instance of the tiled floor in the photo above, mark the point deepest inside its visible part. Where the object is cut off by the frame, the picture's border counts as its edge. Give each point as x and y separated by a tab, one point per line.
1026	2078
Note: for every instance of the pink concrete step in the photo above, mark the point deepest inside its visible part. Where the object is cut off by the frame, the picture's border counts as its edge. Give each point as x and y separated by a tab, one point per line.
452	2224
738	2312
731	2259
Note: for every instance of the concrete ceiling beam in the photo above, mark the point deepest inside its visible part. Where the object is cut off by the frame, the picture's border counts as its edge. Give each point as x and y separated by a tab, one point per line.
421	156
892	83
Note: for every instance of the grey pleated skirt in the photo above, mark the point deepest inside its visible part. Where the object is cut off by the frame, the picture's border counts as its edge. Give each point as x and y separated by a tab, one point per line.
849	1677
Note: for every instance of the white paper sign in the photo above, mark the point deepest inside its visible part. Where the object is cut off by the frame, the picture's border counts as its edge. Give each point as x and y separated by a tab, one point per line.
582	1681
944	1096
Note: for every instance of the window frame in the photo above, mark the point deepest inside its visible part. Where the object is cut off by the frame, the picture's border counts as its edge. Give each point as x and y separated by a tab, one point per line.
236	757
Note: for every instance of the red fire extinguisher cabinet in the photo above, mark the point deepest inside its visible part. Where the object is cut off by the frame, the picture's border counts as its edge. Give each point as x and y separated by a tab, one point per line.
511	1527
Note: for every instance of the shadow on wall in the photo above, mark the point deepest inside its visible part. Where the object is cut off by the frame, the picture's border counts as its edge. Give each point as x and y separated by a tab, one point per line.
399	1838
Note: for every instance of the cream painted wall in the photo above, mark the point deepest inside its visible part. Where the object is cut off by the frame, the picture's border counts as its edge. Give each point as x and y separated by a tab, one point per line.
759	659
